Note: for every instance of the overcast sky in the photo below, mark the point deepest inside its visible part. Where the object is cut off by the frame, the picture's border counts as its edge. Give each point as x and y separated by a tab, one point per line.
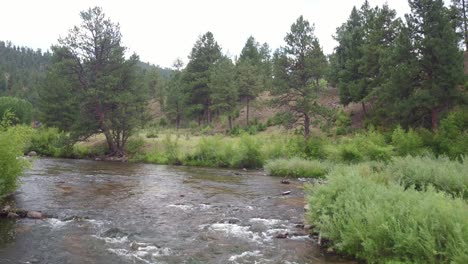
161	31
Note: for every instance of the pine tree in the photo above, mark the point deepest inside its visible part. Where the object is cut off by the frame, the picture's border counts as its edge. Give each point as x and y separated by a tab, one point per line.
102	84
223	89
294	75
176	96
440	60
204	54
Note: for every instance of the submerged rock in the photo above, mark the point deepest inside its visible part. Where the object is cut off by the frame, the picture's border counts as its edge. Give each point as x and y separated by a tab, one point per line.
114	233
282	235
232	220
285	182
12	215
34	215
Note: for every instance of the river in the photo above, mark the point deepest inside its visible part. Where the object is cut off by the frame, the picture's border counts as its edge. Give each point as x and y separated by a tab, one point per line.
103	212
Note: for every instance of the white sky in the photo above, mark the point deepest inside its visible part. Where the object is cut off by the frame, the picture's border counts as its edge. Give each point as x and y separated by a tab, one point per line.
161	31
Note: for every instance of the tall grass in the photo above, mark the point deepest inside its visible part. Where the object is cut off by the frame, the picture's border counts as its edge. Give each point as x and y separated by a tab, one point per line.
297	168
383	223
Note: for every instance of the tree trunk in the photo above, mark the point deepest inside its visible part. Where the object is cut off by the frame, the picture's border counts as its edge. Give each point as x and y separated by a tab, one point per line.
208	115
247	113
434	118
113	147
230	122
306	126
364	108
465	24
177	121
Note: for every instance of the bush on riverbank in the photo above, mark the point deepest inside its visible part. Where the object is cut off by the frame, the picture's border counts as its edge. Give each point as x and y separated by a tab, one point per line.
380	223
297	168
12	140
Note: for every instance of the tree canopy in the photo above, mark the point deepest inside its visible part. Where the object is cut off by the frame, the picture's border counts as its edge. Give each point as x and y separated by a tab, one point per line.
91	73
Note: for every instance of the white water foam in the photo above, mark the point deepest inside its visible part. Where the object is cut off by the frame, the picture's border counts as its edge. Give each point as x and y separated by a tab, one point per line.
251	254
56	223
183	207
266	222
113	240
143	252
188	207
238	231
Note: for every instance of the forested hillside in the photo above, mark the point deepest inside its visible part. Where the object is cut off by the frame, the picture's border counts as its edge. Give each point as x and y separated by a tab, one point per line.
22	70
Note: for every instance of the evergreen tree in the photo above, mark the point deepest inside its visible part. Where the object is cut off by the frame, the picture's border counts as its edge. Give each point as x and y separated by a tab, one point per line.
176	96
350	38
204	54
363	41
440	59
461	9
223	90
253	72
294	75
90	64
249	83
21	71
400	70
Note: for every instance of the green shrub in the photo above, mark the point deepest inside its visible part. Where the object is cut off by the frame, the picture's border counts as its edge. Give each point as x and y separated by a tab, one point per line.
297	168
386	223
420	173
22	109
211	152
247	154
407	143
12	141
452	136
342	123
365	147
171	151
152	134
163	122
315	148
135	145
49	142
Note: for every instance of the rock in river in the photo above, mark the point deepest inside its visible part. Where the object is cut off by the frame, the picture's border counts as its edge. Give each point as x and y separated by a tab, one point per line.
34	215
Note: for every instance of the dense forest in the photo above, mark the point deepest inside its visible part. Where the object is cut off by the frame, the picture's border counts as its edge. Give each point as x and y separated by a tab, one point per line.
406	72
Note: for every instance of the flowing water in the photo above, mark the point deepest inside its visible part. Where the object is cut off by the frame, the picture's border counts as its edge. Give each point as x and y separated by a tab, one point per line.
133	213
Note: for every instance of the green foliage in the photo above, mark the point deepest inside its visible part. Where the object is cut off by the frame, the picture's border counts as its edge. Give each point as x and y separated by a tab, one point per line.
12	141
342	123
424	172
451	138
106	95
407	143
49	142
297	68
153	133
196	76
247	154
22	70
364	147
385	223
135	145
163	122
297	168
20	108
211	152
